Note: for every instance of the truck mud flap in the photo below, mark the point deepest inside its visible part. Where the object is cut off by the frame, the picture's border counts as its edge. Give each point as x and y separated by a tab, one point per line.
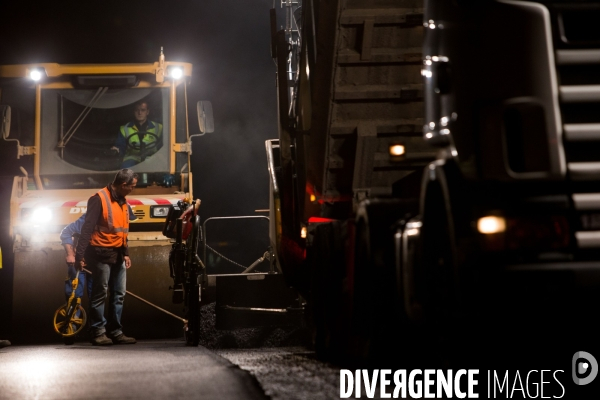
255	300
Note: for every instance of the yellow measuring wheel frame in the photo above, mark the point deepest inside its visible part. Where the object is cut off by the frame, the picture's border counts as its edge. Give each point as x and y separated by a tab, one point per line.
66	321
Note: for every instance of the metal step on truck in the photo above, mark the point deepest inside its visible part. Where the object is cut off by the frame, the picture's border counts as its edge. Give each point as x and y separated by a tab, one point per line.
436	165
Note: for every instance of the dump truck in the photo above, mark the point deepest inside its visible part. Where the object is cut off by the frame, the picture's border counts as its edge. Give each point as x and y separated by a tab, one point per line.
351	114
435	161
60	126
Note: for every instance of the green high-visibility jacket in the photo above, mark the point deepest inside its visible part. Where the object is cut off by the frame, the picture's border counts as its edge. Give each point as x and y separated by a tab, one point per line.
135	154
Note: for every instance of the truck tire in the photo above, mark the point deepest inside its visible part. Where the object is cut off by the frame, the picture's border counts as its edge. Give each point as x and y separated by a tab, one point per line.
327	274
438	280
378	312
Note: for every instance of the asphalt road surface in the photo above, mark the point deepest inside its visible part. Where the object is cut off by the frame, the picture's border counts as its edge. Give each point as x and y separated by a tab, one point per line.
170	370
146	370
165	370
288	373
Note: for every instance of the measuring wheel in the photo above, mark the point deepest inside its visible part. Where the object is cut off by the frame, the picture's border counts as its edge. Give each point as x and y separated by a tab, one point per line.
66	321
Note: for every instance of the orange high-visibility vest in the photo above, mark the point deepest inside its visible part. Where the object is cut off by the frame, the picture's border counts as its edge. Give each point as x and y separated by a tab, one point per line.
112	229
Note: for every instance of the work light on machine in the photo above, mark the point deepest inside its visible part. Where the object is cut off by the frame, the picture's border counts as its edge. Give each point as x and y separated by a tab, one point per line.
40	216
176	73
491	224
35	74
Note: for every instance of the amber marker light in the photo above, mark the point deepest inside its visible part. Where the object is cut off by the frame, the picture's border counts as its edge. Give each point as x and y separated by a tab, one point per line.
491	224
313	198
303	232
397	150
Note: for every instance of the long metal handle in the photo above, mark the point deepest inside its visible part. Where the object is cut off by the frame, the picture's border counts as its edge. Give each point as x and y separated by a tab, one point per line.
157	307
265	256
147	302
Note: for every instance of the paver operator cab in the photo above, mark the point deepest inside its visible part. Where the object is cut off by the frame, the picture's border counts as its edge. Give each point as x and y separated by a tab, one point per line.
72	128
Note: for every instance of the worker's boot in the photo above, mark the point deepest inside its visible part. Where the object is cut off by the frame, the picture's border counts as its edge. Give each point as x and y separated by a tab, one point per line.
122	339
101	340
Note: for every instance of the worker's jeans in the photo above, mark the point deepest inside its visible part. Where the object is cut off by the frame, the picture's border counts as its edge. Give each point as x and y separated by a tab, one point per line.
111	278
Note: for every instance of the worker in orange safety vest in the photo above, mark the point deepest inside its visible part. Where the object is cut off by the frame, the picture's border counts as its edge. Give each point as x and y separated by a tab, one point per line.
102	248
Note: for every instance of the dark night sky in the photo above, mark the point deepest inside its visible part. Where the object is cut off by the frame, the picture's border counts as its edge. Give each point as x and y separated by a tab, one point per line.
228	43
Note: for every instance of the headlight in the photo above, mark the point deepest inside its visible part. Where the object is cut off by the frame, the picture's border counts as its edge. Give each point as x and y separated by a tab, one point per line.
159	211
40	216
